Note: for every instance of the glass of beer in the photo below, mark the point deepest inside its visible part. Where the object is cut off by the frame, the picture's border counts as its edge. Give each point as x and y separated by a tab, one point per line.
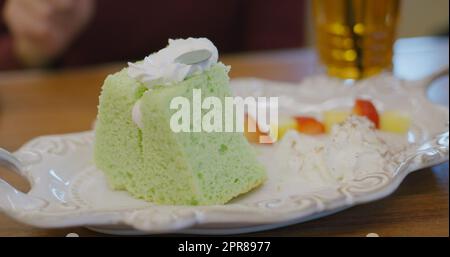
355	37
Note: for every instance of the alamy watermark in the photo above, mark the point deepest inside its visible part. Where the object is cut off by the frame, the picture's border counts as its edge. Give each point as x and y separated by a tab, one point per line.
215	114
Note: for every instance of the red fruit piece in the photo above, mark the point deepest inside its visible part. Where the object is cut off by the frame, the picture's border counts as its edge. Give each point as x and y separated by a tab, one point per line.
367	109
309	125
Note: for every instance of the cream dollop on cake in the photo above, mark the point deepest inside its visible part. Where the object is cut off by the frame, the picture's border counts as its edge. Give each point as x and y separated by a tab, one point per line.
161	68
352	150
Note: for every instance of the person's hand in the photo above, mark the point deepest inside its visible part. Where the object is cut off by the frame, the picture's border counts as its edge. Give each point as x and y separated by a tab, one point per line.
44	29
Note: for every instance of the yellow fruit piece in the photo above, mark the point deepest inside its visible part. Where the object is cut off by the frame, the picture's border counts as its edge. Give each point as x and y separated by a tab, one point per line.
334	117
395	121
284	125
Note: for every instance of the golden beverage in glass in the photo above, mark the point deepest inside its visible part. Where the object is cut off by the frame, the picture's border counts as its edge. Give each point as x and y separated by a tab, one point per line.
355	37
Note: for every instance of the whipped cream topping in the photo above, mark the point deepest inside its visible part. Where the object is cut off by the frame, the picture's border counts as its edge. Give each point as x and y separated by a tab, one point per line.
136	114
160	68
352	150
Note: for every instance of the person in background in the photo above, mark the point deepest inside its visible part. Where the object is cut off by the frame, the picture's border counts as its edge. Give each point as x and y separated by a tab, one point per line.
64	33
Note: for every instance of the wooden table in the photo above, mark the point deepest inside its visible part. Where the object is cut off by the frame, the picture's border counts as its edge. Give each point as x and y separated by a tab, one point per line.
40	103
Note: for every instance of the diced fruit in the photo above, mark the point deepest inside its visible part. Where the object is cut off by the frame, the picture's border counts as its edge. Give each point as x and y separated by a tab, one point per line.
252	131
332	117
309	125
394	121
367	109
284	125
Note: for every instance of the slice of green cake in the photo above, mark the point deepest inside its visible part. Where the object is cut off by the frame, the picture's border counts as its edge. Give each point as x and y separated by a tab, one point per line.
156	164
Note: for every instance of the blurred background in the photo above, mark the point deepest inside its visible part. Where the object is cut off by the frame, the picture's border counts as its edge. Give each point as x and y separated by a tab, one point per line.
68	33
418	18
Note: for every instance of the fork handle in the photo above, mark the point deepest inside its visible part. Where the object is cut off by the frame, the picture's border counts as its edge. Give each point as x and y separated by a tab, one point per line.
11	199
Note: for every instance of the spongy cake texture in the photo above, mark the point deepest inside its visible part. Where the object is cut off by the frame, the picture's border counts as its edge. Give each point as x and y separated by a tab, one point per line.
161	166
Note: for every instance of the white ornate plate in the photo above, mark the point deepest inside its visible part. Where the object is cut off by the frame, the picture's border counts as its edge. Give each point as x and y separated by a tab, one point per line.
67	189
